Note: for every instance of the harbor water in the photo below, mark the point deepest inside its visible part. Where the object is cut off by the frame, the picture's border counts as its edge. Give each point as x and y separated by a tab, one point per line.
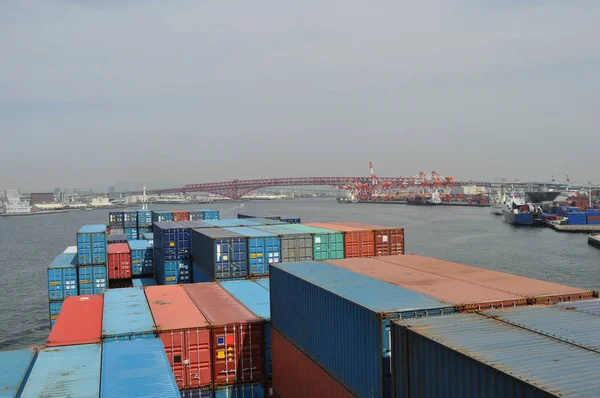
467	235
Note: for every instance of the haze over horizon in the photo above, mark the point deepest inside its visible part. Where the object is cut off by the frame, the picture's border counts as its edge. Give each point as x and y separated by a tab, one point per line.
98	93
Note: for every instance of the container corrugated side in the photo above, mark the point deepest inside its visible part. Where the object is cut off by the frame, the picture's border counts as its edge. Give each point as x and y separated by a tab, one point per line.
137	368
210	214
15	367
588	306
218	254
295	246
171	272
54	309
206	392
314	305
389	241
469	355
358	242
297	376
563	324
71	371
130	219
327	244
144	219
161	216
92	279
126	315
246	390
62	277
263	249
131	233
91	244
119	261
79	322
171	240
142	257
115	219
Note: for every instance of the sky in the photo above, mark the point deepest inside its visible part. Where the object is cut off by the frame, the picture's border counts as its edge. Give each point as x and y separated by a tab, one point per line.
95	93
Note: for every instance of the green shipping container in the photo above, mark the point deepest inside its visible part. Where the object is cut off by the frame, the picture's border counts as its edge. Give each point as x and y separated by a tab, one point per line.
327	244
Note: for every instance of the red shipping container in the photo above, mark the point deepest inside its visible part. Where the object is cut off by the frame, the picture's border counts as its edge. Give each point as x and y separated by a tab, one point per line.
237	335
79	322
180	215
119	261
389	241
296	376
185	333
358	242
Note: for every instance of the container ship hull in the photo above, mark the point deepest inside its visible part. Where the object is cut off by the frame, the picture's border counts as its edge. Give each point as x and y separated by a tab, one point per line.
517	219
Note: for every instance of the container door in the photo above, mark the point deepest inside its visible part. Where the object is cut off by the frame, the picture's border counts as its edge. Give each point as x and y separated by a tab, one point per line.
137	262
239	255
98	248
273	248
197	361
289	252
84	249
70	282
223	259
55	284
336	246
174	343
321	247
396	238
367	243
183	270
251	352
352	244
148	262
257	255
305	247
99	278
238	353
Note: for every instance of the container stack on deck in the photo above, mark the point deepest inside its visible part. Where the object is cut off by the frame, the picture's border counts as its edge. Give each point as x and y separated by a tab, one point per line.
91	259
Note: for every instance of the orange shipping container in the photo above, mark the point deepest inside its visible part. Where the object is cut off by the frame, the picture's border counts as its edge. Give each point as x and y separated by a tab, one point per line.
185	333
358	242
79	322
389	241
180	215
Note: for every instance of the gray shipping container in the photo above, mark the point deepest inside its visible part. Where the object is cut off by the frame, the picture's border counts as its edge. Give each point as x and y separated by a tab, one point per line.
295	246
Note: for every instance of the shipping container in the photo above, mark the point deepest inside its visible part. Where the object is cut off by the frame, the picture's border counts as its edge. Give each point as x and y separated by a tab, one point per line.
206	392
327	244
161	216
389	241
144	230
115	219
236	335
358	242
119	261
15	367
242	222
210	214
142	282
263	249
314	305
144	218
62	277
71	249
130	219
588	306
577	219
131	233
218	254
171	272
268	221
79	322
142	257
196	215
136	369
247	390
171	240
256	298
295	246
127	315
119	283
465	296
219	223
185	334
91	244
264	282
121	238
70	371
195	224
256	215
293	220
115	231
180	215
149	236
469	355
92	279
297	376
54	308
538	292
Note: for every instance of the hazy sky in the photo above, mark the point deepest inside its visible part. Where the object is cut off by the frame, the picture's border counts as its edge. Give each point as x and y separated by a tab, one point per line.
198	91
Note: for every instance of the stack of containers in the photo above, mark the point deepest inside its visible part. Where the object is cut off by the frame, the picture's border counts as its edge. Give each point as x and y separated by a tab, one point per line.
15	367
242	222
327	244
236	336
127	316
263	249
119	265
334	309
142	258
208	214
218	254
180	215
171	253
219	223
161	216
79	322
292	220
130	224
185	334
389	241
144	222
116	222
91	259
62	282
593	216
358	242
295	246
577	218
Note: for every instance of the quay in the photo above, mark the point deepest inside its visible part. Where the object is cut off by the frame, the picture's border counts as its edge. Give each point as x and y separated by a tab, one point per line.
594	240
572	228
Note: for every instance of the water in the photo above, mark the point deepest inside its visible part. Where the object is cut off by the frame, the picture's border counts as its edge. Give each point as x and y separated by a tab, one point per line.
466	235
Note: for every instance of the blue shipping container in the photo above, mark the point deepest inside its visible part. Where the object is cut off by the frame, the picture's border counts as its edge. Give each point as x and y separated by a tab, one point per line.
15	367
55	307
137	368
588	306
210	214
149	236
577	219
115	219
171	272
219	223
142	282
470	355
131	233
130	219
264	282
144	230
254	390
69	371
242	222
256	298
126	315
342	319
197	393
144	219
92	279
171	240
291	220
62	277
91	244
218	254
264	248
161	216
142	257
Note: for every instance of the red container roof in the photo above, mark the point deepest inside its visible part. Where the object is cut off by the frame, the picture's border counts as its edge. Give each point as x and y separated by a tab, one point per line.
115	248
218	306
172	308
79	322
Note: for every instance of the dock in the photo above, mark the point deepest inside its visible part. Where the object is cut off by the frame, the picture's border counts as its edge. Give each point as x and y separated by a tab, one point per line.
572	228
594	240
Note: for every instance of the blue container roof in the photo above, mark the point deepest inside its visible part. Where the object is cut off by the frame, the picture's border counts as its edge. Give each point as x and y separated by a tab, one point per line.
169	225
264	282
216	233
148	235
280	230
137	368
64	260
250	232
70	371
368	292
92	229
542	361
588	306
195	224
252	295
126	311
139	244
161	212
219	223
141	282
14	366
144	211
242	222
